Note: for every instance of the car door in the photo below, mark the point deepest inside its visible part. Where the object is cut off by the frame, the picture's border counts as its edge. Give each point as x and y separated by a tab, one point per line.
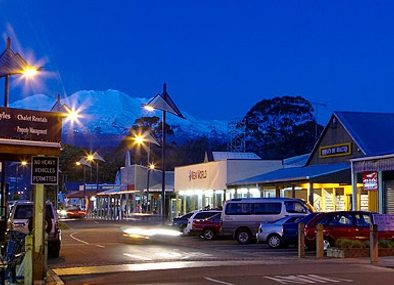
341	225
362	224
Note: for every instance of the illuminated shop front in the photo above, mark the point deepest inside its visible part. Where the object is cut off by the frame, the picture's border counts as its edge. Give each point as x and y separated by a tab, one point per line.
338	175
204	185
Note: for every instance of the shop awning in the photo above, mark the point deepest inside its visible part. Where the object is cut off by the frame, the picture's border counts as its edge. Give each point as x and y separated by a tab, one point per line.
323	173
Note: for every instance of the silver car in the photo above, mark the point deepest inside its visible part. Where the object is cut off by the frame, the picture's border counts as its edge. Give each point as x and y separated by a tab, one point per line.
272	232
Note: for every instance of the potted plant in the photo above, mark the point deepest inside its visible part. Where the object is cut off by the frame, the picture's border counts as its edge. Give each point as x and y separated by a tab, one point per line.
355	248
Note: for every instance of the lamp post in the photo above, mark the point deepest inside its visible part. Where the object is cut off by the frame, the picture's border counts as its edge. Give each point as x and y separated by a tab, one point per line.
150	168
96	158
164	103
82	163
11	63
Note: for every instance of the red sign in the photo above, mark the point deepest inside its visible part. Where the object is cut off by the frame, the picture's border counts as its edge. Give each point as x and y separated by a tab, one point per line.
370	181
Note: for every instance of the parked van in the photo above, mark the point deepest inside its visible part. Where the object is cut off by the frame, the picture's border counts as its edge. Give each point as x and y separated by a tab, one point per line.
241	217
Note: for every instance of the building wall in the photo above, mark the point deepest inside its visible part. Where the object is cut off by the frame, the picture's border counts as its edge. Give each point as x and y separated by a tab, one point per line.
210	175
335	134
242	169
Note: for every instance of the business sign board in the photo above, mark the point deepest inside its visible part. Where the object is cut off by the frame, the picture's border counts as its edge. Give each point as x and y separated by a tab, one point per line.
385	222
370	181
44	170
335	150
29	125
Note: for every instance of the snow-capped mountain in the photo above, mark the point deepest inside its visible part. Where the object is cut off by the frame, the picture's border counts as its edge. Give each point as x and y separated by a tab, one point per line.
111	113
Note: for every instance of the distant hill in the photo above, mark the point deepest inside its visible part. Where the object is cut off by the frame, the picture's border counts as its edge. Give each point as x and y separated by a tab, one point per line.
108	115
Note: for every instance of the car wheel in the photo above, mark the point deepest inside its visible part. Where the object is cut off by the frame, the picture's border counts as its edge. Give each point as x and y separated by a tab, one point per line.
243	236
326	244
274	241
208	234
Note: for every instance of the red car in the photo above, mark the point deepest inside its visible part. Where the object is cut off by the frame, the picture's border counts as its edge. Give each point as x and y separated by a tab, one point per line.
208	228
342	224
75	212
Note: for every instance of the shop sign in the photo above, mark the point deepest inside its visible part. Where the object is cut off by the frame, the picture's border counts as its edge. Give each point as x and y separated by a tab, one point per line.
44	170
335	150
198	174
370	181
17	124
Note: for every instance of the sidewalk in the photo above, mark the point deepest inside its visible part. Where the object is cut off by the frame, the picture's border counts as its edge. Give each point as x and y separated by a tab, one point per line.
53	279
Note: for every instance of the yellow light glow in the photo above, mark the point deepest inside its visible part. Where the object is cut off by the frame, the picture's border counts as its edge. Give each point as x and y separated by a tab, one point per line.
72	115
78	163
139	139
149	108
29	72
90	157
151	166
23	163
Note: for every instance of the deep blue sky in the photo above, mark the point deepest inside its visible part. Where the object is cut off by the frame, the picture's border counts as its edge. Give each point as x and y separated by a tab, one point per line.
218	57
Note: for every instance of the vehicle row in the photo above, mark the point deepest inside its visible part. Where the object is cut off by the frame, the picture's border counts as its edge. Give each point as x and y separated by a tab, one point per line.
275	221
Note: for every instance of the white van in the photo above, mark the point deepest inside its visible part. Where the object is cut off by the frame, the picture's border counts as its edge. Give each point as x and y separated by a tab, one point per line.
241	217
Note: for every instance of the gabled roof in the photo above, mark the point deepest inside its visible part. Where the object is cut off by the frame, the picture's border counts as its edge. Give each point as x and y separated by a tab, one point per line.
373	132
305	173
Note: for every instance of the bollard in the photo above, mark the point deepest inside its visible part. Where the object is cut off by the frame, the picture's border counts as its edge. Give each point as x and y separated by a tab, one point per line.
373	243
319	242
301	240
28	260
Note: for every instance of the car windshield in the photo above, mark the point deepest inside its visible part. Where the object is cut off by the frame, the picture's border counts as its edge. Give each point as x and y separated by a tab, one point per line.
26	211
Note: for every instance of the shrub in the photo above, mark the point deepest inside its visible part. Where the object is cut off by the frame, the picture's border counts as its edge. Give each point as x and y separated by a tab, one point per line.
384	243
348	243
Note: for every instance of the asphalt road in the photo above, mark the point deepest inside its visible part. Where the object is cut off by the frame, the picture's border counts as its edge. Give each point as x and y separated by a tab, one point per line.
99	253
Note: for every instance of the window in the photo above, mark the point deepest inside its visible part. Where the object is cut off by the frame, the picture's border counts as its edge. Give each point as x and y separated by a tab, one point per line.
271	208
204	215
239	209
341	220
295	207
26	211
362	220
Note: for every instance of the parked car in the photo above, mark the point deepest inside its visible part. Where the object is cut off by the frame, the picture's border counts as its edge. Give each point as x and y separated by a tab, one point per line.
208	228
75	212
343	224
271	233
290	230
181	222
241	217
199	215
22	212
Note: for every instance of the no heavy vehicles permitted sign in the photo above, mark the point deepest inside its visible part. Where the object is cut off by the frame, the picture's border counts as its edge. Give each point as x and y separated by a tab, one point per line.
44	170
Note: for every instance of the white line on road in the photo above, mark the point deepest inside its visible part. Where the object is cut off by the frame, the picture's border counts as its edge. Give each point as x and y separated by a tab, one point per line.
218	281
77	239
137	256
99	245
305	279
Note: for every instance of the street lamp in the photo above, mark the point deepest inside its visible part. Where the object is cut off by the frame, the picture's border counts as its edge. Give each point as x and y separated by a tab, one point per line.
82	163
150	168
96	158
164	103
11	63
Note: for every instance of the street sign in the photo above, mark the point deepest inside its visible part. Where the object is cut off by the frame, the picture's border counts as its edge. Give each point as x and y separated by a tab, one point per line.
44	170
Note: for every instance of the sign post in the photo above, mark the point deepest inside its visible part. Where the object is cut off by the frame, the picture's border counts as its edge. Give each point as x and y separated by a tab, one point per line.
44	171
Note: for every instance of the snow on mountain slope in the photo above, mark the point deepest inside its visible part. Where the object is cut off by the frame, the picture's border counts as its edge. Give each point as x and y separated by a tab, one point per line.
113	112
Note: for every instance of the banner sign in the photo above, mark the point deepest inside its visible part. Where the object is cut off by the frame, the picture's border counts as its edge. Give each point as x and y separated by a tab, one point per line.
44	170
335	150
385	222
30	125
370	181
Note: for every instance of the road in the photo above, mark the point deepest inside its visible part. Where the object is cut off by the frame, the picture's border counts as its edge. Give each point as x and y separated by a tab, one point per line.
98	253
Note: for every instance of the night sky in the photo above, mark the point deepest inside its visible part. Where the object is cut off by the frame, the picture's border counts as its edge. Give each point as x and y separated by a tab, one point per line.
218	57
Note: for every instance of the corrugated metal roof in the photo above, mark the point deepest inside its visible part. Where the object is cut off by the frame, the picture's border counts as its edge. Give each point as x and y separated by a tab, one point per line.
373	132
296	161
294	174
217	155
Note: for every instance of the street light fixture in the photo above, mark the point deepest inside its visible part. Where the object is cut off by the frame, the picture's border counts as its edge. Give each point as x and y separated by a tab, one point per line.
164	103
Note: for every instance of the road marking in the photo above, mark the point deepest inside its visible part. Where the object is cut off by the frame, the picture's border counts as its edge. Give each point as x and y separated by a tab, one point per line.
137	256
218	281
99	245
77	239
305	279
